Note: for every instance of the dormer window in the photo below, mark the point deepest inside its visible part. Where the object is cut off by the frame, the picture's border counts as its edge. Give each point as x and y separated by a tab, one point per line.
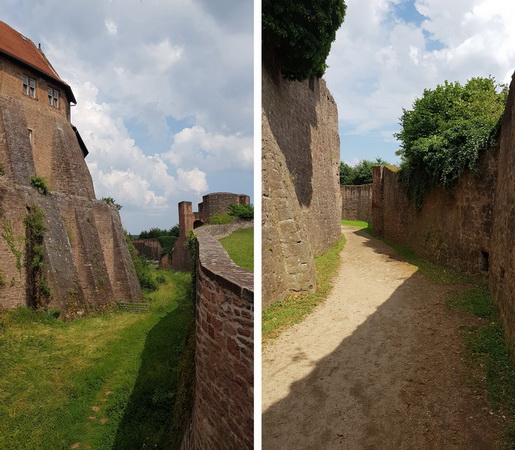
29	87
53	97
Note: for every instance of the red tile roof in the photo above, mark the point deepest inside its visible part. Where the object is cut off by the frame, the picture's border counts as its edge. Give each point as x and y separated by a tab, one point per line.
23	49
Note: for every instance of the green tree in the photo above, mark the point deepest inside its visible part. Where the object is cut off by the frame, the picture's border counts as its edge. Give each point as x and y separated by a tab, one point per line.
361	174
301	32
445	132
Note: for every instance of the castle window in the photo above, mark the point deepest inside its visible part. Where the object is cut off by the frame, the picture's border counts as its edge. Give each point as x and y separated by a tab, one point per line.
53	97
29	87
30	135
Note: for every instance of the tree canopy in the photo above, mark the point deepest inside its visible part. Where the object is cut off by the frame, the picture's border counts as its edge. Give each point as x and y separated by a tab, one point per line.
301	33
360	174
445	131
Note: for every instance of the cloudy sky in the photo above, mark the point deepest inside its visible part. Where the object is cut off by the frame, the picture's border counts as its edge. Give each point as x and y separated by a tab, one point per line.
164	94
388	51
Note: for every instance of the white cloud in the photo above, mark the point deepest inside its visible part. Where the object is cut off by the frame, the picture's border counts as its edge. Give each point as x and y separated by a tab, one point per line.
197	147
111	27
193	179
380	63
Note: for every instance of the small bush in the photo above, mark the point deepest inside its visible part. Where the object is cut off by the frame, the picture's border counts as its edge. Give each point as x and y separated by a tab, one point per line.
160	279
245	212
220	219
40	184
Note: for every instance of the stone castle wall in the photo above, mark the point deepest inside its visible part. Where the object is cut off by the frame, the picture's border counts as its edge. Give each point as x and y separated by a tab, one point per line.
149	248
468	227
215	203
301	201
223	407
357	202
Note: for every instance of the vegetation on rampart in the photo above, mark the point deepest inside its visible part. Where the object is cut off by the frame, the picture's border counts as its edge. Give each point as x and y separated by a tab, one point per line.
39	290
40	184
445	132
301	33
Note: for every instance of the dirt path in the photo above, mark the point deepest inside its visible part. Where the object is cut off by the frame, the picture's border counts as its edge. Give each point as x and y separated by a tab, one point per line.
377	366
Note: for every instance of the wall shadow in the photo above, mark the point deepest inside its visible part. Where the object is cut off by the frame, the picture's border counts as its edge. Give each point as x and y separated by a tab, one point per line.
291	125
147	418
396	382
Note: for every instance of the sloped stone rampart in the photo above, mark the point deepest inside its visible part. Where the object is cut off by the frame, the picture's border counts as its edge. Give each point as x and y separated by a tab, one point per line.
223	407
469	227
357	202
301	200
149	248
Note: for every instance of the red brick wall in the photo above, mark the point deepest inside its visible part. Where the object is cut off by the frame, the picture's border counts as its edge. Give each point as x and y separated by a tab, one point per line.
357	202
223	408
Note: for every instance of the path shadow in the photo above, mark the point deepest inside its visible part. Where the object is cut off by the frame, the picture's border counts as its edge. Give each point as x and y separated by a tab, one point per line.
396	382
147	418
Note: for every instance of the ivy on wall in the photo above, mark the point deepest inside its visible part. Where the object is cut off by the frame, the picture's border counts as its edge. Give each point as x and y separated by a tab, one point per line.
37	285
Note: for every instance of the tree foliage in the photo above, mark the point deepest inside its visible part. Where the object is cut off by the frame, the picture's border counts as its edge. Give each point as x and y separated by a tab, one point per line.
301	33
445	132
166	238
244	212
361	173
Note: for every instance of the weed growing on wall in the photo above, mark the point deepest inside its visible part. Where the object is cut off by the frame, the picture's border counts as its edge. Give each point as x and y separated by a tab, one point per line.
40	184
38	288
15	243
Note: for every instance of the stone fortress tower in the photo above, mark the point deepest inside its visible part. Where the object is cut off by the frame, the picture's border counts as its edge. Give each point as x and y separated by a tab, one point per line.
83	261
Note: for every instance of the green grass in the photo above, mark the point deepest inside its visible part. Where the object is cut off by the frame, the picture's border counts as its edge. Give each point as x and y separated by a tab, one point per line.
294	309
487	350
367	226
53	373
240	247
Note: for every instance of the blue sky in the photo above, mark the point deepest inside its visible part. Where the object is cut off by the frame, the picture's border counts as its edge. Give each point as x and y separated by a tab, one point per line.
388	51
164	95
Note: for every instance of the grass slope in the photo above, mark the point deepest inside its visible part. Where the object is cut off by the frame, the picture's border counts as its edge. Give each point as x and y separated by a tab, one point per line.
106	382
240	247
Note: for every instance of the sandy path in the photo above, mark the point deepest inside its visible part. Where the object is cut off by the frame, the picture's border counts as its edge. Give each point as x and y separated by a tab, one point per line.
377	366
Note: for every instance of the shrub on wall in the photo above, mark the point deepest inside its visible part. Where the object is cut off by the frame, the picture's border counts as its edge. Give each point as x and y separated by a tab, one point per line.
445	132
301	32
40	184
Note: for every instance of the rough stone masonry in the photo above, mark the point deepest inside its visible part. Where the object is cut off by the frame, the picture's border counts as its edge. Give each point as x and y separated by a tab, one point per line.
301	190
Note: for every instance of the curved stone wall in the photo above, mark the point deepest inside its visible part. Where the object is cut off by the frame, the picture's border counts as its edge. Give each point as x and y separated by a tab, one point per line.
223	408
